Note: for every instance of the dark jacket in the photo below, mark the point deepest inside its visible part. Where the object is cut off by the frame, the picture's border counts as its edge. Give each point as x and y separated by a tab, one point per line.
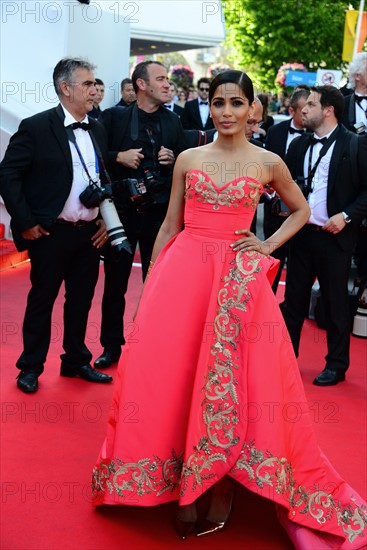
347	182
191	119
349	114
117	123
36	173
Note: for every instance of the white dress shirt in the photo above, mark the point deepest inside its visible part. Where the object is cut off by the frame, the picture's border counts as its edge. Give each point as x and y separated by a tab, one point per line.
291	137
361	111
74	210
204	112
317	199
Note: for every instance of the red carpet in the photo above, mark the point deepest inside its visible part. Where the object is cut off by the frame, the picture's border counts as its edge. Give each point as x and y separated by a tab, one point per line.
50	440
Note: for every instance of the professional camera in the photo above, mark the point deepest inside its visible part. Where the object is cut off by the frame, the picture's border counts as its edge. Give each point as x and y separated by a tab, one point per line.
304	186
143	190
94	196
280	208
136	190
360	127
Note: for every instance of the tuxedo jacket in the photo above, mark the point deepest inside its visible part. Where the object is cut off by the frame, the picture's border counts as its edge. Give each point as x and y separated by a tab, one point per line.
349	114
347	182
178	110
117	122
276	138
36	172
191	119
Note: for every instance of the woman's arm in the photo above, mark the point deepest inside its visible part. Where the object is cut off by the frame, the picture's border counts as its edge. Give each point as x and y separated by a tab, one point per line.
282	182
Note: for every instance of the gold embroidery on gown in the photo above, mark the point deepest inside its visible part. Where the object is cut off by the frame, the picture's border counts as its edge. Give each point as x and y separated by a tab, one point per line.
220	442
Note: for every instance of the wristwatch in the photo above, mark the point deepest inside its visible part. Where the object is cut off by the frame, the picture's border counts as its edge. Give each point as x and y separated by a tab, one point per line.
347	219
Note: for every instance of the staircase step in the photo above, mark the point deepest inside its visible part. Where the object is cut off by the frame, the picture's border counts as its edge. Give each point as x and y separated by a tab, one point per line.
9	255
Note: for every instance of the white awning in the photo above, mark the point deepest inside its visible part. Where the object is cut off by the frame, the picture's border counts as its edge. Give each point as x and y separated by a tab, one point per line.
158	26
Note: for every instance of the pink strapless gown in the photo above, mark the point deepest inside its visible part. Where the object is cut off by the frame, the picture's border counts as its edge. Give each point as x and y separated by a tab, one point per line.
209	385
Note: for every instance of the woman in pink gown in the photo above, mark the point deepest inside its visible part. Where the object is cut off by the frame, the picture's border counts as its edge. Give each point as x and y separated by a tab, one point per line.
211	351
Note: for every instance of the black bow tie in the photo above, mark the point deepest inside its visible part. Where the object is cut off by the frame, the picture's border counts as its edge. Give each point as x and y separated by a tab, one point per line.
295	131
314	140
83	125
203	103
168	107
360	98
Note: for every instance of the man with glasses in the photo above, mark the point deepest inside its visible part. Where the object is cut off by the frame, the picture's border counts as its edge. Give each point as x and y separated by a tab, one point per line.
144	140
252	124
196	113
41	178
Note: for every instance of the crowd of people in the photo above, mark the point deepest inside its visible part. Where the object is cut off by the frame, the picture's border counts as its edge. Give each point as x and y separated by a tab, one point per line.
186	180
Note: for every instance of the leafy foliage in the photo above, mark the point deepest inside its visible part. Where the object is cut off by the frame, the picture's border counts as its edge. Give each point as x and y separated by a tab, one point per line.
266	34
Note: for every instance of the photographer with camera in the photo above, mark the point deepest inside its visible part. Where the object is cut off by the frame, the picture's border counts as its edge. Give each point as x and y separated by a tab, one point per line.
143	141
41	179
330	167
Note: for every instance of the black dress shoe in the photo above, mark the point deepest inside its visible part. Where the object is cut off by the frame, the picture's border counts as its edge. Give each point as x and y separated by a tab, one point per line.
107	359
27	381
86	372
329	378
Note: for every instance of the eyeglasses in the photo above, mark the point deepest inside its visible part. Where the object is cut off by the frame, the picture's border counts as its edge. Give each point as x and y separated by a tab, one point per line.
252	122
86	84
204	89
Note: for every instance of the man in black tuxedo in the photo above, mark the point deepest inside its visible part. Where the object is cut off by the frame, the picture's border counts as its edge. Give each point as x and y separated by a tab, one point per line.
171	105
196	112
355	119
41	177
143	141
278	139
355	111
332	173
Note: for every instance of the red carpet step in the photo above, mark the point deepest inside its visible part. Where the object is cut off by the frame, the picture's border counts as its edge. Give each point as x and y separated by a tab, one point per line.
9	255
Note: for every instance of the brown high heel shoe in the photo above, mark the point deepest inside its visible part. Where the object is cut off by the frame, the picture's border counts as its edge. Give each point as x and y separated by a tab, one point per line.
185	525
184	528
223	494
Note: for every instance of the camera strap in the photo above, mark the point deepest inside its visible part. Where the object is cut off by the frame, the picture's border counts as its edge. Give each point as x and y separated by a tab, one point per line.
134	134
311	171
154	148
134	123
72	138
100	157
97	153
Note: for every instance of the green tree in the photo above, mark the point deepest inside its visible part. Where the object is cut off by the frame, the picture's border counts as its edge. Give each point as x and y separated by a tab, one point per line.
262	35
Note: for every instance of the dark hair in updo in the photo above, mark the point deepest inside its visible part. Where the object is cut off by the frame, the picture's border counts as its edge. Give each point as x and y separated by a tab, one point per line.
234	77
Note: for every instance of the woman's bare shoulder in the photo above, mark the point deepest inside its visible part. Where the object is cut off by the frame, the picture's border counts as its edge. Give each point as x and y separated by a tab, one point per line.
193	156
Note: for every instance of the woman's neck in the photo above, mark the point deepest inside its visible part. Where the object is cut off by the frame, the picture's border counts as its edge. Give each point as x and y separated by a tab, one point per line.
232	142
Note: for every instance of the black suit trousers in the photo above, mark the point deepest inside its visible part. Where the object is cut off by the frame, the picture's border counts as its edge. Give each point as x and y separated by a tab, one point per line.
140	229
66	255
317	254
272	222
